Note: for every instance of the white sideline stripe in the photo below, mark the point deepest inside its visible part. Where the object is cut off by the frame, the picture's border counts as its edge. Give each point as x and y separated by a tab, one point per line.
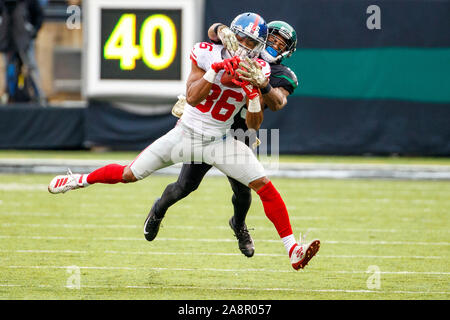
423	243
113	226
224	270
235	289
222	254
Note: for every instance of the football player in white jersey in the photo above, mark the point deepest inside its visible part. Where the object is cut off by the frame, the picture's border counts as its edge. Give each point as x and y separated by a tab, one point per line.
281	43
202	134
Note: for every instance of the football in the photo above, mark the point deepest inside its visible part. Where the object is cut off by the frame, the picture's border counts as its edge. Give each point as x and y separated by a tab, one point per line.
226	79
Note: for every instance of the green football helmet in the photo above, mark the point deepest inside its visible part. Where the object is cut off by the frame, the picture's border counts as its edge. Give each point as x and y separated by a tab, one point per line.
288	35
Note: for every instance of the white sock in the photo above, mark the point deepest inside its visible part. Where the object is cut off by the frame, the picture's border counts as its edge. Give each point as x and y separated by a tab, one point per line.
288	242
84	180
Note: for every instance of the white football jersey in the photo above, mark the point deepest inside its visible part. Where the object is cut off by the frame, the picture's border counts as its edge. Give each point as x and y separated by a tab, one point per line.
214	115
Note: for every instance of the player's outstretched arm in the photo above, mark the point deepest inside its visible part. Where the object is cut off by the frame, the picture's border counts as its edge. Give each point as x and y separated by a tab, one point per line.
275	98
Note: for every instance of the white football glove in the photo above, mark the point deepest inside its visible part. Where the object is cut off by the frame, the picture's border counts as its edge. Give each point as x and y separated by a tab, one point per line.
228	39
178	108
253	73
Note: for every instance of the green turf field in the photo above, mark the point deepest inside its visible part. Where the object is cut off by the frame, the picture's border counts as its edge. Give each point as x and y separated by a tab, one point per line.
399	228
130	155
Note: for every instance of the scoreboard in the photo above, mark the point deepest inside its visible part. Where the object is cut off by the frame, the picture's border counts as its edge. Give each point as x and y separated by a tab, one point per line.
139	48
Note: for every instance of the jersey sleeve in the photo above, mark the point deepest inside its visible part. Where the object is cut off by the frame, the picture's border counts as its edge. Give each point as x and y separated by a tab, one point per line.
283	77
265	67
200	55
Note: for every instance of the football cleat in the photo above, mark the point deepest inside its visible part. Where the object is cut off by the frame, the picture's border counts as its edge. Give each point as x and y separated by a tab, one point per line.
245	241
152	223
64	183
301	254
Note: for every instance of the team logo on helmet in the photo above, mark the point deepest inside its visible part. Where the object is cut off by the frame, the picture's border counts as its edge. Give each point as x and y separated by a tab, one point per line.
252	29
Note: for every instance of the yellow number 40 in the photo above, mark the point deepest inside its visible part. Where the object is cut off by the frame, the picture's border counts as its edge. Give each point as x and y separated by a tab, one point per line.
121	44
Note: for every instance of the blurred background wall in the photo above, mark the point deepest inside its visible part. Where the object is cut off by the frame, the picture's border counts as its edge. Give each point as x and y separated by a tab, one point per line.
361	91
58	53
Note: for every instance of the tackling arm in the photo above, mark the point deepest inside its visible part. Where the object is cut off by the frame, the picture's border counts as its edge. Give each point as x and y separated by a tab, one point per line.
212	34
220	33
276	98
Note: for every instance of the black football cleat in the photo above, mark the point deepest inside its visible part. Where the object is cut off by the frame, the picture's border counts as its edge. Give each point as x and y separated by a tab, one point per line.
152	223
245	241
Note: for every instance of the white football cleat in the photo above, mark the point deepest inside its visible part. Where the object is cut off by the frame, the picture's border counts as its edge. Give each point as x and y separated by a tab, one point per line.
64	183
301	254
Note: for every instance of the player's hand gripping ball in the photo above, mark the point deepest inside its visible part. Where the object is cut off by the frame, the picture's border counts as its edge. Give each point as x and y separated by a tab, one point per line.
227	80
230	65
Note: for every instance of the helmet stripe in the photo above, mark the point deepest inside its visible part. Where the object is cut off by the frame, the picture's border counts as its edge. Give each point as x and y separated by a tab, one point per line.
255	23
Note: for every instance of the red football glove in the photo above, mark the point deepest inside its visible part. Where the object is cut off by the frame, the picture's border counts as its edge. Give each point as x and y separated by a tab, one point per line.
251	91
229	65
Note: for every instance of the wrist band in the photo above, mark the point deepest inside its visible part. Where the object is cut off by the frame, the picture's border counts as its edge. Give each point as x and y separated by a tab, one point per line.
254	105
266	89
210	75
216	28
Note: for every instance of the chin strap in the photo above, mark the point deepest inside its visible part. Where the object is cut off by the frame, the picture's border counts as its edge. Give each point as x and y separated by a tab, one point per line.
267	57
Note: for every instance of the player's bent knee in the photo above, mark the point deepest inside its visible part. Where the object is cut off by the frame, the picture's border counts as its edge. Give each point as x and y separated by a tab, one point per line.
128	175
188	186
258	183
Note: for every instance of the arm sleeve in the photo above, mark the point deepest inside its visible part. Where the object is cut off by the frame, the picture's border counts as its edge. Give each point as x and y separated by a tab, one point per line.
200	55
284	78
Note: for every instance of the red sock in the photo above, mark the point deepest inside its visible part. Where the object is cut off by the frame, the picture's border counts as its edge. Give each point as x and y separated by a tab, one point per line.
111	173
275	209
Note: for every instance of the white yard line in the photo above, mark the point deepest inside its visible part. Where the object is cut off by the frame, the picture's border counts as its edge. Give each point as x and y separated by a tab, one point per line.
415	243
217	254
313	189
23	187
233	289
137	215
225	270
210	214
393	197
125	226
